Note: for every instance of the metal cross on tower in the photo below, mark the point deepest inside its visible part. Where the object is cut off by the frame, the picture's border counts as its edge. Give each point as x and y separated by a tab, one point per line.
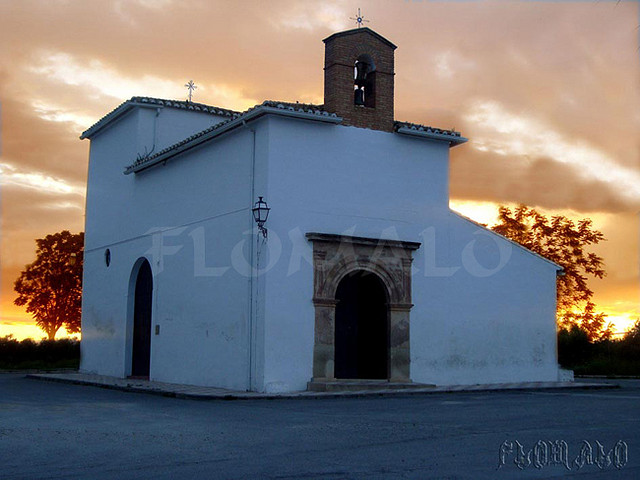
359	18
191	87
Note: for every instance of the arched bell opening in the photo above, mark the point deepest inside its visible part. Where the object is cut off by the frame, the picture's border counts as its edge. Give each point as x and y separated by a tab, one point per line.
364	82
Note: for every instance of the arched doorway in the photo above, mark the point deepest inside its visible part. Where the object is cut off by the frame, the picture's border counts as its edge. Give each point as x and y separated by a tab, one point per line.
361	327
389	261
141	347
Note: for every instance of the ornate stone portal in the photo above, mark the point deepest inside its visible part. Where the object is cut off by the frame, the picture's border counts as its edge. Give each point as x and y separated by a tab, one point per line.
334	257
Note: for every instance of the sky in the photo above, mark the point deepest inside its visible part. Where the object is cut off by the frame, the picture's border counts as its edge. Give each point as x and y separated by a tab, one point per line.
548	92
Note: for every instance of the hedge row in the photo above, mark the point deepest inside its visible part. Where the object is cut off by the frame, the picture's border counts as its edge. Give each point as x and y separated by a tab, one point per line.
605	357
63	353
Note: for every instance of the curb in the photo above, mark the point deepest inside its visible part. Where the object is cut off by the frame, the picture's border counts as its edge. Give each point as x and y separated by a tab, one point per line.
230	395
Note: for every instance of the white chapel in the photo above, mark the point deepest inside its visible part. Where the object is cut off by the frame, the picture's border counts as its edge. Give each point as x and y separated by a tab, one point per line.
294	246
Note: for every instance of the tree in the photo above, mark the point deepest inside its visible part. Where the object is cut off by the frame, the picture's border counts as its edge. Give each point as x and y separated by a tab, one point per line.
592	323
633	334
574	346
630	345
51	287
564	242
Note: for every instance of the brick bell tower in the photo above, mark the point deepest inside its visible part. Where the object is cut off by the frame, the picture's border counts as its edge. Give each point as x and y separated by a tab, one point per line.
358	78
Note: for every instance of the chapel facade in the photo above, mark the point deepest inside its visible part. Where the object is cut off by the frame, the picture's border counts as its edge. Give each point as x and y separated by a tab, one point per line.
362	273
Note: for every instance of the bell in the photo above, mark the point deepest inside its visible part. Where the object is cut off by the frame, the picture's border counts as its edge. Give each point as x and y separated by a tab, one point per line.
359	96
362	69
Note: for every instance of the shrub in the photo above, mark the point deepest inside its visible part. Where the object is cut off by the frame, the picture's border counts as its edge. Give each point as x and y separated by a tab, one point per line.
574	347
45	354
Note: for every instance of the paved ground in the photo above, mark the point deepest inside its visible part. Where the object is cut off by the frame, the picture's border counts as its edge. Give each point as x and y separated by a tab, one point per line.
55	430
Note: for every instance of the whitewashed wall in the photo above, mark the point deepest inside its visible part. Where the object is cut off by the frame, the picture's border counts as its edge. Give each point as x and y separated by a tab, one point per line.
220	326
469	324
185	217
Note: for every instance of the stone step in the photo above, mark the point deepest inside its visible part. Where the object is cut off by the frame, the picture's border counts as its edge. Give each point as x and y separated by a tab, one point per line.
358	385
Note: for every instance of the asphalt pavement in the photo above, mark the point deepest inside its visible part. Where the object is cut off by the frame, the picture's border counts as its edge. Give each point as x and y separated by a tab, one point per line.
64	431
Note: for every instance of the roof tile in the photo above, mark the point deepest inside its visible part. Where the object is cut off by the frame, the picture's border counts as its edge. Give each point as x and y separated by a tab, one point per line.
424	128
299	107
185	105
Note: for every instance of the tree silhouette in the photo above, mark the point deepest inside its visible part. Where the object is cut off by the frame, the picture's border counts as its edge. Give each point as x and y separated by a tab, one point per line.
51	287
564	242
633	334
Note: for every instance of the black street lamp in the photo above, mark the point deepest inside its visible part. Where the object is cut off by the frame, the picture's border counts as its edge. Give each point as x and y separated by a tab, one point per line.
260	214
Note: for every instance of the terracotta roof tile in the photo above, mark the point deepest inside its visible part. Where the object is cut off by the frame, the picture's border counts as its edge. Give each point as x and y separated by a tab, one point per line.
300	108
133	101
296	107
424	128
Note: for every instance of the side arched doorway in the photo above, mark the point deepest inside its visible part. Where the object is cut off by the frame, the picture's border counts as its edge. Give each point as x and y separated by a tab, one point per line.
361	327
141	345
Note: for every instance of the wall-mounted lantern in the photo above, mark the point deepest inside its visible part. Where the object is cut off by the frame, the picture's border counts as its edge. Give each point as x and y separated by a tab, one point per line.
260	215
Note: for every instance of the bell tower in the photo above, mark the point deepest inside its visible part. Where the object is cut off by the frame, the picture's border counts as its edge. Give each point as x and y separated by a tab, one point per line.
358	78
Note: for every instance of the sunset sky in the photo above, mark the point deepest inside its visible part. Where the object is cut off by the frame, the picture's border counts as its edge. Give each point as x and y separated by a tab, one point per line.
547	92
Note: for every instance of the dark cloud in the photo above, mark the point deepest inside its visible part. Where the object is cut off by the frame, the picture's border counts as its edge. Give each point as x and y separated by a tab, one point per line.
33	144
541	182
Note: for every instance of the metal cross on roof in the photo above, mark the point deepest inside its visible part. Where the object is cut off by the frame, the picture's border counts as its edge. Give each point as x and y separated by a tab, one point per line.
359	18
191	86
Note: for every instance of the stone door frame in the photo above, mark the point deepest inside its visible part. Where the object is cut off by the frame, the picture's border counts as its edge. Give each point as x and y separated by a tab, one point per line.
334	257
